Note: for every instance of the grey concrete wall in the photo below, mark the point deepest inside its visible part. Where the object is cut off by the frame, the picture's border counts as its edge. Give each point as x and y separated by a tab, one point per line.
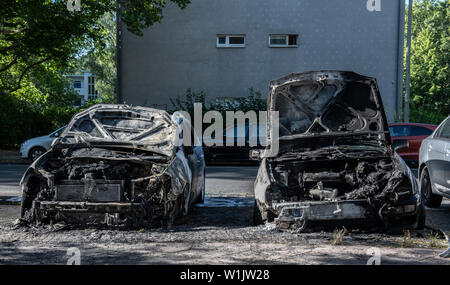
181	52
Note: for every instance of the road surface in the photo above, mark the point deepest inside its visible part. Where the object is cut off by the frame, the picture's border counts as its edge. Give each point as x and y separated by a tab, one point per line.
10	175
219	232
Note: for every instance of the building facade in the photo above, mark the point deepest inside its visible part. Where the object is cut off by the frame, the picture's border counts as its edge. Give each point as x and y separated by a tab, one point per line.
84	84
224	47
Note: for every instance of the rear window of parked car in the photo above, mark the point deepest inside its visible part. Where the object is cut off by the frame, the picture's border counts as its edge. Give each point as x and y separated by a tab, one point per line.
445	131
399	131
420	131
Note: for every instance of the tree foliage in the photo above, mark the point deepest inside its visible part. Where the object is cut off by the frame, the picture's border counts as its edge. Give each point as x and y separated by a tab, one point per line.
40	40
253	102
430	55
100	61
36	31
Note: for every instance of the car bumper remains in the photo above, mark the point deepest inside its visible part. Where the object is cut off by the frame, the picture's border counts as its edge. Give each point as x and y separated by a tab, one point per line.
302	212
110	213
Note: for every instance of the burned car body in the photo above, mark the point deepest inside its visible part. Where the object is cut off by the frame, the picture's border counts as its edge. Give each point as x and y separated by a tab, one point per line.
335	164
115	165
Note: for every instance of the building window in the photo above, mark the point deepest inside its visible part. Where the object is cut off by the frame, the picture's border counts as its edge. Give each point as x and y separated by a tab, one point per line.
92	93
77	84
230	41
79	100
283	40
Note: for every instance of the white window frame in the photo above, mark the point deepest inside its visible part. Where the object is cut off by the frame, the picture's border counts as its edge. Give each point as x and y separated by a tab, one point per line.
227	41
287	40
92	92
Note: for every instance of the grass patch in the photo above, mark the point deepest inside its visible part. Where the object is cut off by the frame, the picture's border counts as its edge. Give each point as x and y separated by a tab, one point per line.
338	235
13	203
407	240
433	241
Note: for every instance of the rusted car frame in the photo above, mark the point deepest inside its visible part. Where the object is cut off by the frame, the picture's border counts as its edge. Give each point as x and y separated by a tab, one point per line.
336	164
115	165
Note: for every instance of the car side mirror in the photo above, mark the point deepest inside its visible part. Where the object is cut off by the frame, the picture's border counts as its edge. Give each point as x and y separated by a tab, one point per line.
400	145
255	154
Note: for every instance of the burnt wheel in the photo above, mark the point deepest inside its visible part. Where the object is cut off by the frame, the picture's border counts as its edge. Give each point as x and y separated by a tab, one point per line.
201	198
300	226
429	198
35	152
257	216
261	216
421	218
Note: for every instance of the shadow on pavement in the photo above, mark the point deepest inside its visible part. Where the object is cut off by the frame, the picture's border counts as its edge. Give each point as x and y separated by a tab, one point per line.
12	254
439	218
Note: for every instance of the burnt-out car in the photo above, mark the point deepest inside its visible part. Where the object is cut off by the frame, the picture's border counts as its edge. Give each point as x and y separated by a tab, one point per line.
116	165
336	164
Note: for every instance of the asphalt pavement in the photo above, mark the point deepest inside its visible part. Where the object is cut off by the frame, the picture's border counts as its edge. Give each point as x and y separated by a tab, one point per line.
10	175
220	231
230	180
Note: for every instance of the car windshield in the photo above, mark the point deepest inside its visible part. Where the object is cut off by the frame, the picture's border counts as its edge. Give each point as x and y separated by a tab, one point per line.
58	132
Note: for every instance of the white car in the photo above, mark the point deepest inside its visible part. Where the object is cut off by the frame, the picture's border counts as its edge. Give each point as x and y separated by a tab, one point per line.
434	166
35	147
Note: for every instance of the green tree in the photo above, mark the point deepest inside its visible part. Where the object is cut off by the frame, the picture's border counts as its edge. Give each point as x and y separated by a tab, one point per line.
253	102
430	46
33	32
41	40
101	61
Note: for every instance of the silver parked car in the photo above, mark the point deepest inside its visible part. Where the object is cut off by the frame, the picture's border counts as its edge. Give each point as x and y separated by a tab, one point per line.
434	165
35	147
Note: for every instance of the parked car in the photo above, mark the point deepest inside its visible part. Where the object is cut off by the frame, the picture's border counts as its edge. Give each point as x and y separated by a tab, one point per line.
116	165
434	166
35	147
235	154
414	134
336	163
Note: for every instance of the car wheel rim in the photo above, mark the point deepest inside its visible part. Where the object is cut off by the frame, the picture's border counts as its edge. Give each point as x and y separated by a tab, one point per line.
425	187
36	154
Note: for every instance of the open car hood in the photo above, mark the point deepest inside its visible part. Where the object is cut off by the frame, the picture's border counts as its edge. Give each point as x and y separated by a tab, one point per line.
328	103
125	126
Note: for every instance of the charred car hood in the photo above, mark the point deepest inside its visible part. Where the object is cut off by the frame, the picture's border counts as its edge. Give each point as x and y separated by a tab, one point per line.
329	103
121	126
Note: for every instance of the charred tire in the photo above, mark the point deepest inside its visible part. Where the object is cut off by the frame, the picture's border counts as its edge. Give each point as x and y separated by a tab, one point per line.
421	218
25	206
257	215
176	212
429	198
261	216
36	152
201	198
300	226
